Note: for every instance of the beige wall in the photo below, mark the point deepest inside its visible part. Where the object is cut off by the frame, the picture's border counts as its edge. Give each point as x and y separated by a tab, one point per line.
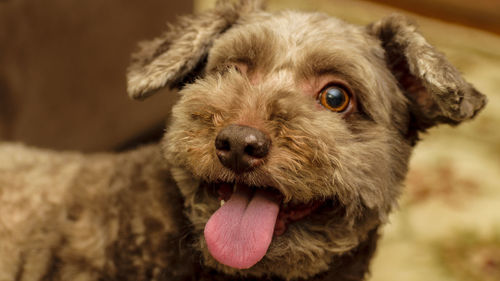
482	14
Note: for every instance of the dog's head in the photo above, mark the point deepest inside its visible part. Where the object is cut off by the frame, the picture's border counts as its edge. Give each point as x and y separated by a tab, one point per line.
301	122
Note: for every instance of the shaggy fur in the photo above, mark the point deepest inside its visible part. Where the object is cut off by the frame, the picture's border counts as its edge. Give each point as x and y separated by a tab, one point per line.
140	215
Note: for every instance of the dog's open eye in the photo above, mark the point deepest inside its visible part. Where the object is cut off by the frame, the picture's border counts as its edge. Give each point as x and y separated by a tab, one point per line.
334	98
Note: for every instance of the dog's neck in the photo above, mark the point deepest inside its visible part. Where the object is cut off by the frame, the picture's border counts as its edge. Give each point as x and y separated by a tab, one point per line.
351	266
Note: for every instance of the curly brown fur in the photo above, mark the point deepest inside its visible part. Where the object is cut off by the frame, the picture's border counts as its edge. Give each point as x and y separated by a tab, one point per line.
135	216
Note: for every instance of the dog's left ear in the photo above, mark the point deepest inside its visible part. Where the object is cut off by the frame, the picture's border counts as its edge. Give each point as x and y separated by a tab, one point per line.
436	90
176	56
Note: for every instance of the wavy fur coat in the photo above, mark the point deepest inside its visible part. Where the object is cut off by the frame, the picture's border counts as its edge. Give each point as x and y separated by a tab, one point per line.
301	123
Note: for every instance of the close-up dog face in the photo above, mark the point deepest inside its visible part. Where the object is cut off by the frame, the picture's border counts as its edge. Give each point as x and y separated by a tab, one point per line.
289	122
330	152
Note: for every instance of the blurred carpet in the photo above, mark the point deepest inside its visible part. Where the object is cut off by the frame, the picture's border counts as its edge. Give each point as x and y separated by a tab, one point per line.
448	225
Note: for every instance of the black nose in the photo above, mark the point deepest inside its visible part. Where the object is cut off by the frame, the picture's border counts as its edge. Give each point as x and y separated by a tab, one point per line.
241	148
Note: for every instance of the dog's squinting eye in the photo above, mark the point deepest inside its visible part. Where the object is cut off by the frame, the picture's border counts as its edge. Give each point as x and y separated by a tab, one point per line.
238	68
241	68
334	98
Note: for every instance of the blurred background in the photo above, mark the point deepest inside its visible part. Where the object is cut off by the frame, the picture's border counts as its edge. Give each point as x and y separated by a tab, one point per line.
62	72
62	86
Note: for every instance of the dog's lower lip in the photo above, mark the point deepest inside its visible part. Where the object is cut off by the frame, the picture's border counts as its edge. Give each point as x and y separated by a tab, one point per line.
289	212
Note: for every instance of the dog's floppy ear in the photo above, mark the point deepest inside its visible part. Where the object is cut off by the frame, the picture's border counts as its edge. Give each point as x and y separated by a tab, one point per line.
436	90
172	58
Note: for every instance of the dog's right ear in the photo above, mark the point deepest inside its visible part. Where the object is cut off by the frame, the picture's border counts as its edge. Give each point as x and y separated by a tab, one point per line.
177	55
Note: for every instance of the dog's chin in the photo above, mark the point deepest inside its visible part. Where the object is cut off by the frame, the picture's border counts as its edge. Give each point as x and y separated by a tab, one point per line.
290	254
301	245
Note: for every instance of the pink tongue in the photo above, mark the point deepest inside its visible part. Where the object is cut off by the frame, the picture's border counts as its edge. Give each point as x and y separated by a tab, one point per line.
239	233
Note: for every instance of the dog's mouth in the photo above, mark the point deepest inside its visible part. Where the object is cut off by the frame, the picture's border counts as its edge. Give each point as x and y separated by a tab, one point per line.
239	233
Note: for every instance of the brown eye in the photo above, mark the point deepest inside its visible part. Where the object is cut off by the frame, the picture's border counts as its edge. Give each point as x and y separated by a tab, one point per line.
334	98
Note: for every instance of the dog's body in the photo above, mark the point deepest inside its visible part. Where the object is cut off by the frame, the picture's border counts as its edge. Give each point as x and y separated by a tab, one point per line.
104	217
302	123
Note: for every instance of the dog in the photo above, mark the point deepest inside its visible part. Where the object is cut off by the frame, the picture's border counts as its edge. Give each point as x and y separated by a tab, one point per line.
285	153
